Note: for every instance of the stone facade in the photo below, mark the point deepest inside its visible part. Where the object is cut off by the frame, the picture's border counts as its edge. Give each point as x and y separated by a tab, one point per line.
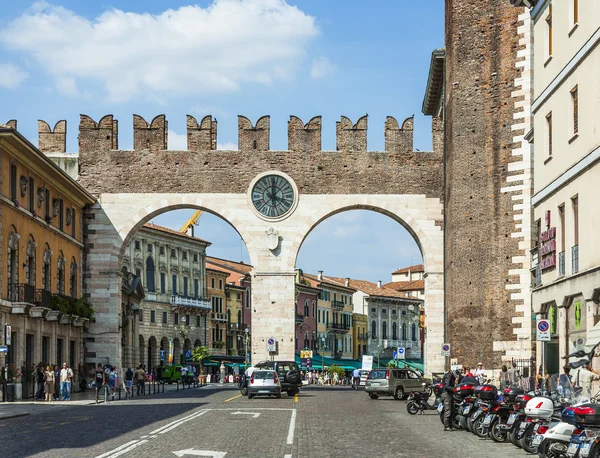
485	202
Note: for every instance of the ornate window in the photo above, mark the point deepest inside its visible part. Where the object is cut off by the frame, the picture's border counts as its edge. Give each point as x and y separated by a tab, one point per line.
60	274
150	277
30	267
373	329
314	309
47	270
413	332
394	331
306	308
73	283
403	331
13	263
384	330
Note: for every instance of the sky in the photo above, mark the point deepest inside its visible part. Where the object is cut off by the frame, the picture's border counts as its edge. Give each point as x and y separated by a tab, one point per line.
59	59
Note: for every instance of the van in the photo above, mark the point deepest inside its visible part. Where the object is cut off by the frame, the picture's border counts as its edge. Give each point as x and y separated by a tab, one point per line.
394	382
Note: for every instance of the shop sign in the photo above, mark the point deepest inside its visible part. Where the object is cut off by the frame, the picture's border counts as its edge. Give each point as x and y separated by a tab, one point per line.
547	250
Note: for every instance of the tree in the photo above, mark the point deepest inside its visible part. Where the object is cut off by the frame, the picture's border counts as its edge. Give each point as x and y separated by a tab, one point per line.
198	354
391	364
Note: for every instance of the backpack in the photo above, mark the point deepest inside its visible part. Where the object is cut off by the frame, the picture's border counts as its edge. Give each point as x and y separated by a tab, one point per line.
448	381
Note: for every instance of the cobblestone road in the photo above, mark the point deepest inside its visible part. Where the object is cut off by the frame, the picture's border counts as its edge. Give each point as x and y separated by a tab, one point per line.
218	422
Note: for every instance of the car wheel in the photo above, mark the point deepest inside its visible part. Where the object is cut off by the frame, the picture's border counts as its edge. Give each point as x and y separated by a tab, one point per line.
291	392
244	391
250	396
373	396
278	396
399	394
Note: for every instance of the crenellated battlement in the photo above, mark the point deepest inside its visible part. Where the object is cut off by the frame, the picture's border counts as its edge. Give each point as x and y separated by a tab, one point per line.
202	136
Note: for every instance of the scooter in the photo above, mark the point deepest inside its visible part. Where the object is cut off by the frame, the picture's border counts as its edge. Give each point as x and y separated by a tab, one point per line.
542	412
418	402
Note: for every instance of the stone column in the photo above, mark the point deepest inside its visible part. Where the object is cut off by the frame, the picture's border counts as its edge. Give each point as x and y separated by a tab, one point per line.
434	321
136	338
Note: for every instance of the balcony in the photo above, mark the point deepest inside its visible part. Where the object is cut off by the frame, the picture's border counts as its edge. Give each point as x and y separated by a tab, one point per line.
218	317
561	264
338	328
299	318
200	303
575	259
21	292
337	305
43	298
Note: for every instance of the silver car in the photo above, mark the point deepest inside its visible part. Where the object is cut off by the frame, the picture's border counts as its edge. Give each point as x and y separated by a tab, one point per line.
264	382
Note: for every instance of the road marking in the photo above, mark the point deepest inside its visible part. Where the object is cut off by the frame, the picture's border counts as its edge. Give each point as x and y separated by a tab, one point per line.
193	451
289	455
104	455
128	449
156	431
235	397
182	422
296	398
290	436
254	414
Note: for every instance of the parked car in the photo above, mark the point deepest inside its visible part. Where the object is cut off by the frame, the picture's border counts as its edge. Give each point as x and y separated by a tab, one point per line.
364	373
264	383
171	374
394	382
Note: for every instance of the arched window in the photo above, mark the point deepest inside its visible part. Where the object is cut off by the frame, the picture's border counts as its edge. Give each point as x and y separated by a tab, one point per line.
314	309
73	282
373	329
60	274
413	332
13	265
306	308
240	318
150	284
30	268
47	269
394	331
403	331
384	330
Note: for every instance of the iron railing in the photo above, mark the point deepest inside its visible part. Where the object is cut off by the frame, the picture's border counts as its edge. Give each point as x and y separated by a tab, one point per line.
219	316
561	264
339	327
195	302
338	304
43	298
575	259
21	292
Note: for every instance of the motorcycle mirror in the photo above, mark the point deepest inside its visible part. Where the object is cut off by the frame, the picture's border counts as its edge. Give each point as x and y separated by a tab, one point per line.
423	383
577	354
581	362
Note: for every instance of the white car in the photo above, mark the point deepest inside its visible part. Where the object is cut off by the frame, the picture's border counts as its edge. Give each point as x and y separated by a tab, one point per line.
363	377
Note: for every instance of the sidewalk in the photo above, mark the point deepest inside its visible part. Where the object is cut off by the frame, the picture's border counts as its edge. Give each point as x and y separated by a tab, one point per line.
29	407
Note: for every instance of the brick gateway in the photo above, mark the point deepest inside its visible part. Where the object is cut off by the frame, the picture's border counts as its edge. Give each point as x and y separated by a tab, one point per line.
134	186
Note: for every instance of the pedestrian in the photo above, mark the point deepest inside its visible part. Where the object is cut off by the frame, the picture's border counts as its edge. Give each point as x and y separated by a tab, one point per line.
480	373
140	378
584	377
129	380
564	382
99	378
56	385
448	383
66	379
49	383
513	374
503	377
39	379
541	380
113	380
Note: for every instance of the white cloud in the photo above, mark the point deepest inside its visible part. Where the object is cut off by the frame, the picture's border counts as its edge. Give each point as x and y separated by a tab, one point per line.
227	146
348	230
11	76
209	110
321	67
67	86
177	142
177	52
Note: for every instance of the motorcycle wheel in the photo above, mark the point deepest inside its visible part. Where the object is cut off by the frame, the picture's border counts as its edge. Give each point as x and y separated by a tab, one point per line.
512	437
463	423
456	422
478	427
412	408
470	424
526	441
548	449
495	433
442	416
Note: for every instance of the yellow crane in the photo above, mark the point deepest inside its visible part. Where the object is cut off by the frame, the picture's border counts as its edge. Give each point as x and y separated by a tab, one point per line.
193	221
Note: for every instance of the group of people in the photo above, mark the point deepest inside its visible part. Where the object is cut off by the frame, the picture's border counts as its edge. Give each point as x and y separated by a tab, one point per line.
53	384
324	378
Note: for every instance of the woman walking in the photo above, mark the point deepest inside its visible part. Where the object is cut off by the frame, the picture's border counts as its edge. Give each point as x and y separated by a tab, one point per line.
49	383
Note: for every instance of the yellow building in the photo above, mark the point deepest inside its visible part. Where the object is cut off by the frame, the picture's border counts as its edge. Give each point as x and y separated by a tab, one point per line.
359	335
40	256
216	278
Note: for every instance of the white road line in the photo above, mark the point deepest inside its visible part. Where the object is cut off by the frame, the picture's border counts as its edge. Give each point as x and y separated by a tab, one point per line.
104	455
182	422
257	408
290	436
128	449
156	431
289	455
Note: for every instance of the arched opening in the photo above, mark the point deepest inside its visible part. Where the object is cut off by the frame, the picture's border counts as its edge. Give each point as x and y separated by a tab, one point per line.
142	350
152	355
164	350
365	261
176	350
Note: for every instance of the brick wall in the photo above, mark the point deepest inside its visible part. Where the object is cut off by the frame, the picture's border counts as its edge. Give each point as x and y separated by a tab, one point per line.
52	140
481	47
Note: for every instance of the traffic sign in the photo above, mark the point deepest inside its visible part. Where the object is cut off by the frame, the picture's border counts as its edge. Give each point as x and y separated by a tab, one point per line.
162	355
446	349
271	344
3	349
543	331
400	353
188	354
306	354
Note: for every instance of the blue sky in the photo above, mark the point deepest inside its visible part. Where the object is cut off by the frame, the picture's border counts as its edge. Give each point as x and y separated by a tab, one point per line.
228	57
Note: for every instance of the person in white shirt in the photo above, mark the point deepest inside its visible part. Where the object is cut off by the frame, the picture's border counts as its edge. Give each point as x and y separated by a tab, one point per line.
66	377
584	377
480	373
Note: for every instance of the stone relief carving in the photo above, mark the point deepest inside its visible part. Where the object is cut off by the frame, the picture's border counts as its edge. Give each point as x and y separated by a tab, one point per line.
23	186
31	246
40	196
13	241
47	256
272	238
55	206
69	216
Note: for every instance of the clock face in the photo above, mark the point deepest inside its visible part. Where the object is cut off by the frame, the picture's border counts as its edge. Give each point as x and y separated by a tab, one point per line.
273	196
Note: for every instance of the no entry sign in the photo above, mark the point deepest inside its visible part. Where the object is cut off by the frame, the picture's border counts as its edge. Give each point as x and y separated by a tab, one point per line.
543	330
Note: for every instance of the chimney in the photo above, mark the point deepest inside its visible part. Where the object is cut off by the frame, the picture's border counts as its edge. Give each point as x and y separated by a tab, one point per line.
379	283
320	275
348	281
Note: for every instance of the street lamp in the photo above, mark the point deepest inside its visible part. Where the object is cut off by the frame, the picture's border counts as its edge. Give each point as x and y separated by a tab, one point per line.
379	349
322	348
245	338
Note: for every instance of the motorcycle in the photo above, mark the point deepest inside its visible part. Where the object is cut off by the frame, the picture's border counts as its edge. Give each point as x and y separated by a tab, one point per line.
541	412
419	402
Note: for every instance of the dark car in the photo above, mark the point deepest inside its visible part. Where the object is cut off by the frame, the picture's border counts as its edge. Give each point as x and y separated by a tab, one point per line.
288	372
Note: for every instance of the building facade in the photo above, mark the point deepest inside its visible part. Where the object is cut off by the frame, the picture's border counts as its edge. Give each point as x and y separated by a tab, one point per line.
216	280
41	257
566	152
172	317
409	280
359	335
306	313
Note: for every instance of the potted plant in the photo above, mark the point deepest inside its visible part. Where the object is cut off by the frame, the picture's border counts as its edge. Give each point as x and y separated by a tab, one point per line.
199	354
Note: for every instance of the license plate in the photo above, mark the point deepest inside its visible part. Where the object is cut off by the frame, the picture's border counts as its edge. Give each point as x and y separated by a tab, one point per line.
511	419
375	384
466	410
537	440
585	449
440	407
263	391
522	426
488	420
476	415
572	450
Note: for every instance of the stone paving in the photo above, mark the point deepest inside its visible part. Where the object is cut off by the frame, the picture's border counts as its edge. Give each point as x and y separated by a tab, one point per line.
217	421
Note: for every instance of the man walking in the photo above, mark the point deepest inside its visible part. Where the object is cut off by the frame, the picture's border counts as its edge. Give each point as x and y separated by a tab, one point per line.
39	379
448	383
140	377
57	384
355	378
66	377
129	381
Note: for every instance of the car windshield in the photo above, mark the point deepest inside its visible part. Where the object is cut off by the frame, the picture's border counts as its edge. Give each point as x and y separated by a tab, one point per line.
377	374
261	375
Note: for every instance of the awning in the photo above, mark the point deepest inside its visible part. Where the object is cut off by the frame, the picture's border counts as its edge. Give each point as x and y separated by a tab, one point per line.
593	337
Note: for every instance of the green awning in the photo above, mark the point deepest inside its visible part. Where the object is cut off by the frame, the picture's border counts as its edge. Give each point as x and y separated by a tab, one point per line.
318	360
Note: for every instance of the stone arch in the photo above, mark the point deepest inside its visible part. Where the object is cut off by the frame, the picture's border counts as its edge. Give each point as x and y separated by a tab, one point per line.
187	345
142	346
197	343
153	355
176	350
